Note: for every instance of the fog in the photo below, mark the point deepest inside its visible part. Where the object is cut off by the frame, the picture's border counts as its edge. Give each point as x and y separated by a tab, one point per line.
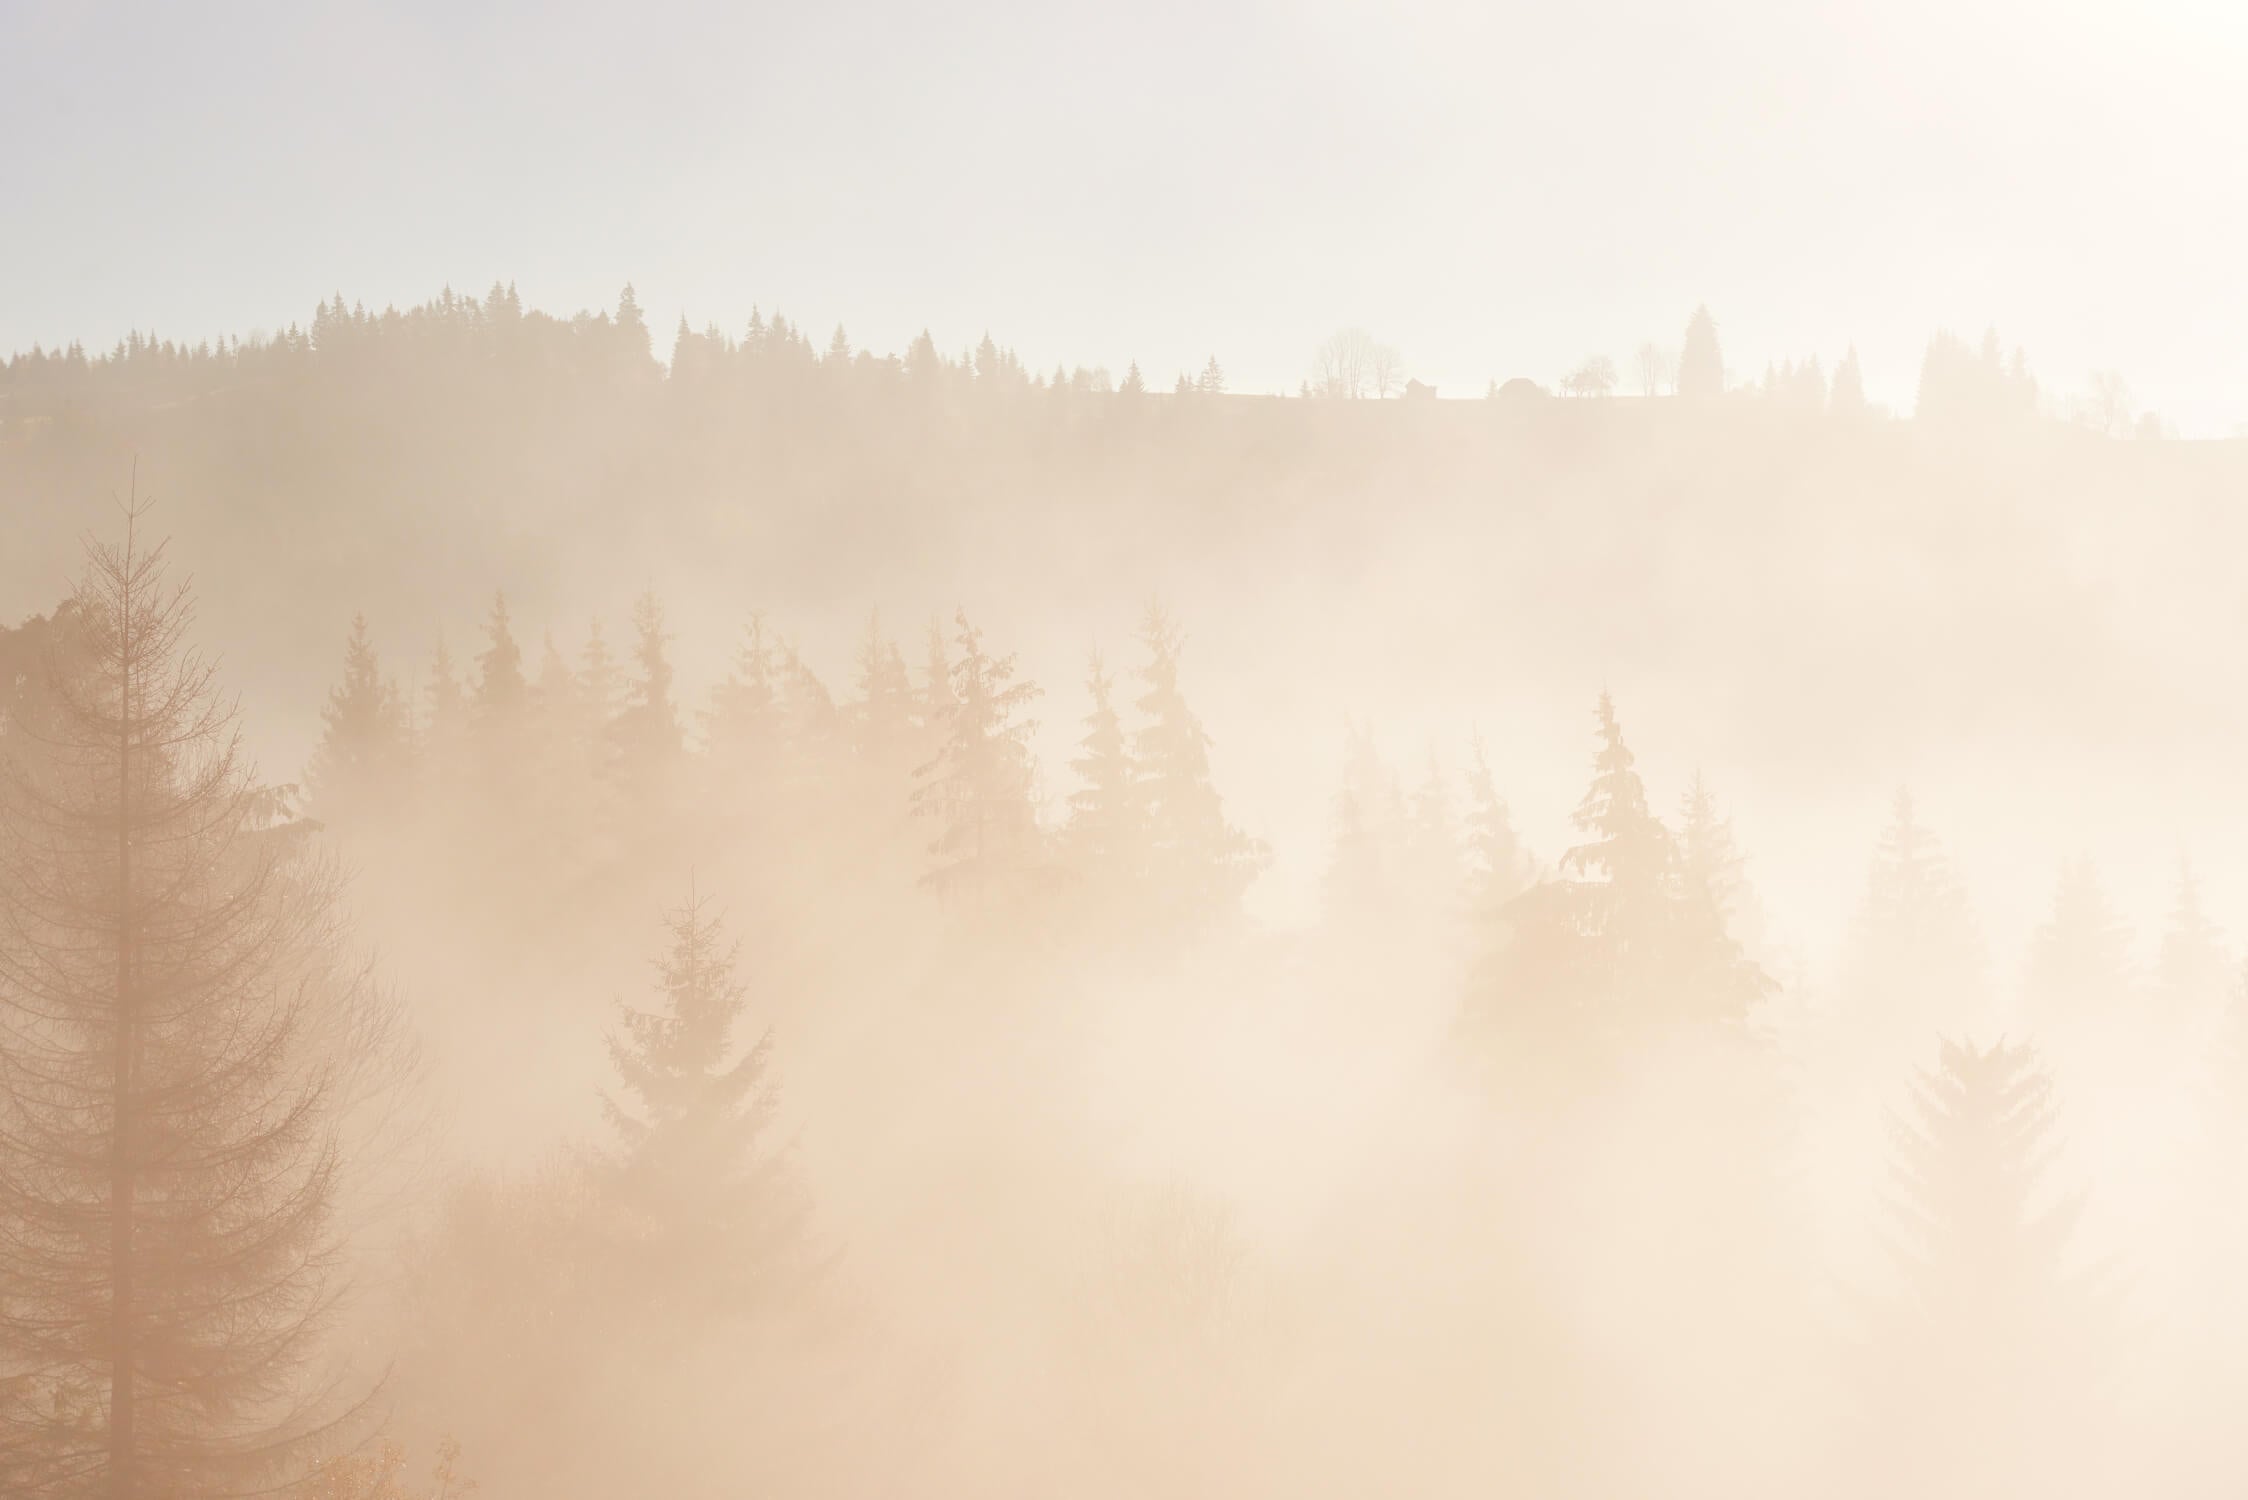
604	902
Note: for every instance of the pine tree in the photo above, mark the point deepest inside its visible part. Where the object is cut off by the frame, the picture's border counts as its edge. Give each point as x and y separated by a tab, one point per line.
696	1188
936	700
1710	866
1847	396
1916	965
1701	368
1499	868
444	728
1626	848
882	719
1200	863
977	789
175	1067
1984	1368
1362	864
360	760
1432	845
2079	980
1212	380
500	689
742	728
2193	972
647	731
1107	833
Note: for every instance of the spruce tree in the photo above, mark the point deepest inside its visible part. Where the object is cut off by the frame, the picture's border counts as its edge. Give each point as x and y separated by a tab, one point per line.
1106	834
1199	863
500	688
360	760
1499	868
599	683
1984	1366
882	719
697	1190
742	728
1915	966
977	788
647	731
1847	396
2193	971
2079	980
1701	367
176	1022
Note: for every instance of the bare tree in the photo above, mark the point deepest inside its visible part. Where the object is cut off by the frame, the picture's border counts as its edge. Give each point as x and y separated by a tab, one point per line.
174	1033
1352	366
1657	370
1387	369
2107	404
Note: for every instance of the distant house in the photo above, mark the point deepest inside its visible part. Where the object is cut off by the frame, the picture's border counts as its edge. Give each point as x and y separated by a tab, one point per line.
1417	391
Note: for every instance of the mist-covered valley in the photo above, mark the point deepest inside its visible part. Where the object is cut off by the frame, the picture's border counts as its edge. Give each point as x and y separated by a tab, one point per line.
907	923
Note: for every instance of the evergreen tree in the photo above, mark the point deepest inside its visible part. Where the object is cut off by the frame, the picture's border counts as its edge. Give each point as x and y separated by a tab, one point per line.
742	729
648	730
1626	848
500	689
556	692
358	763
882	721
1362	866
2079	979
1107	829
172	1082
936	700
1499	868
1212	380
977	789
1710	866
444	727
2193	972
1984	1368
1916	965
1701	367
1432	845
1200	863
696	1187
1847	396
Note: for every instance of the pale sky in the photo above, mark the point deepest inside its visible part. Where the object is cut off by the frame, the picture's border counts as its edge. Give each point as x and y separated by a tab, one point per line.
1496	190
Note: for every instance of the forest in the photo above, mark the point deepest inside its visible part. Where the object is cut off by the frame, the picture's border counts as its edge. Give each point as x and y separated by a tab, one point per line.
795	921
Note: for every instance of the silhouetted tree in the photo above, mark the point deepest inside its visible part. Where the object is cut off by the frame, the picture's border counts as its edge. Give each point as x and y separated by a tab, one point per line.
1499	868
177	1027
1915	961
1847	396
500	688
1107	830
977	789
1701	368
1984	1369
697	1192
1199	862
647	731
361	757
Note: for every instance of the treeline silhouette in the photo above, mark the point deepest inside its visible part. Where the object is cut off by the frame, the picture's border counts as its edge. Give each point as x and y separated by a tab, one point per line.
1586	1198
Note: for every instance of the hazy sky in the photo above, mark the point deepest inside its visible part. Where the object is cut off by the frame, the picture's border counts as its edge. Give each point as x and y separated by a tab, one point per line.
1496	189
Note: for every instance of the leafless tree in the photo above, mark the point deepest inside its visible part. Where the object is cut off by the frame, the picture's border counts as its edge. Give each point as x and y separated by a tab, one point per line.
1658	371
176	1026
2107	404
1352	366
